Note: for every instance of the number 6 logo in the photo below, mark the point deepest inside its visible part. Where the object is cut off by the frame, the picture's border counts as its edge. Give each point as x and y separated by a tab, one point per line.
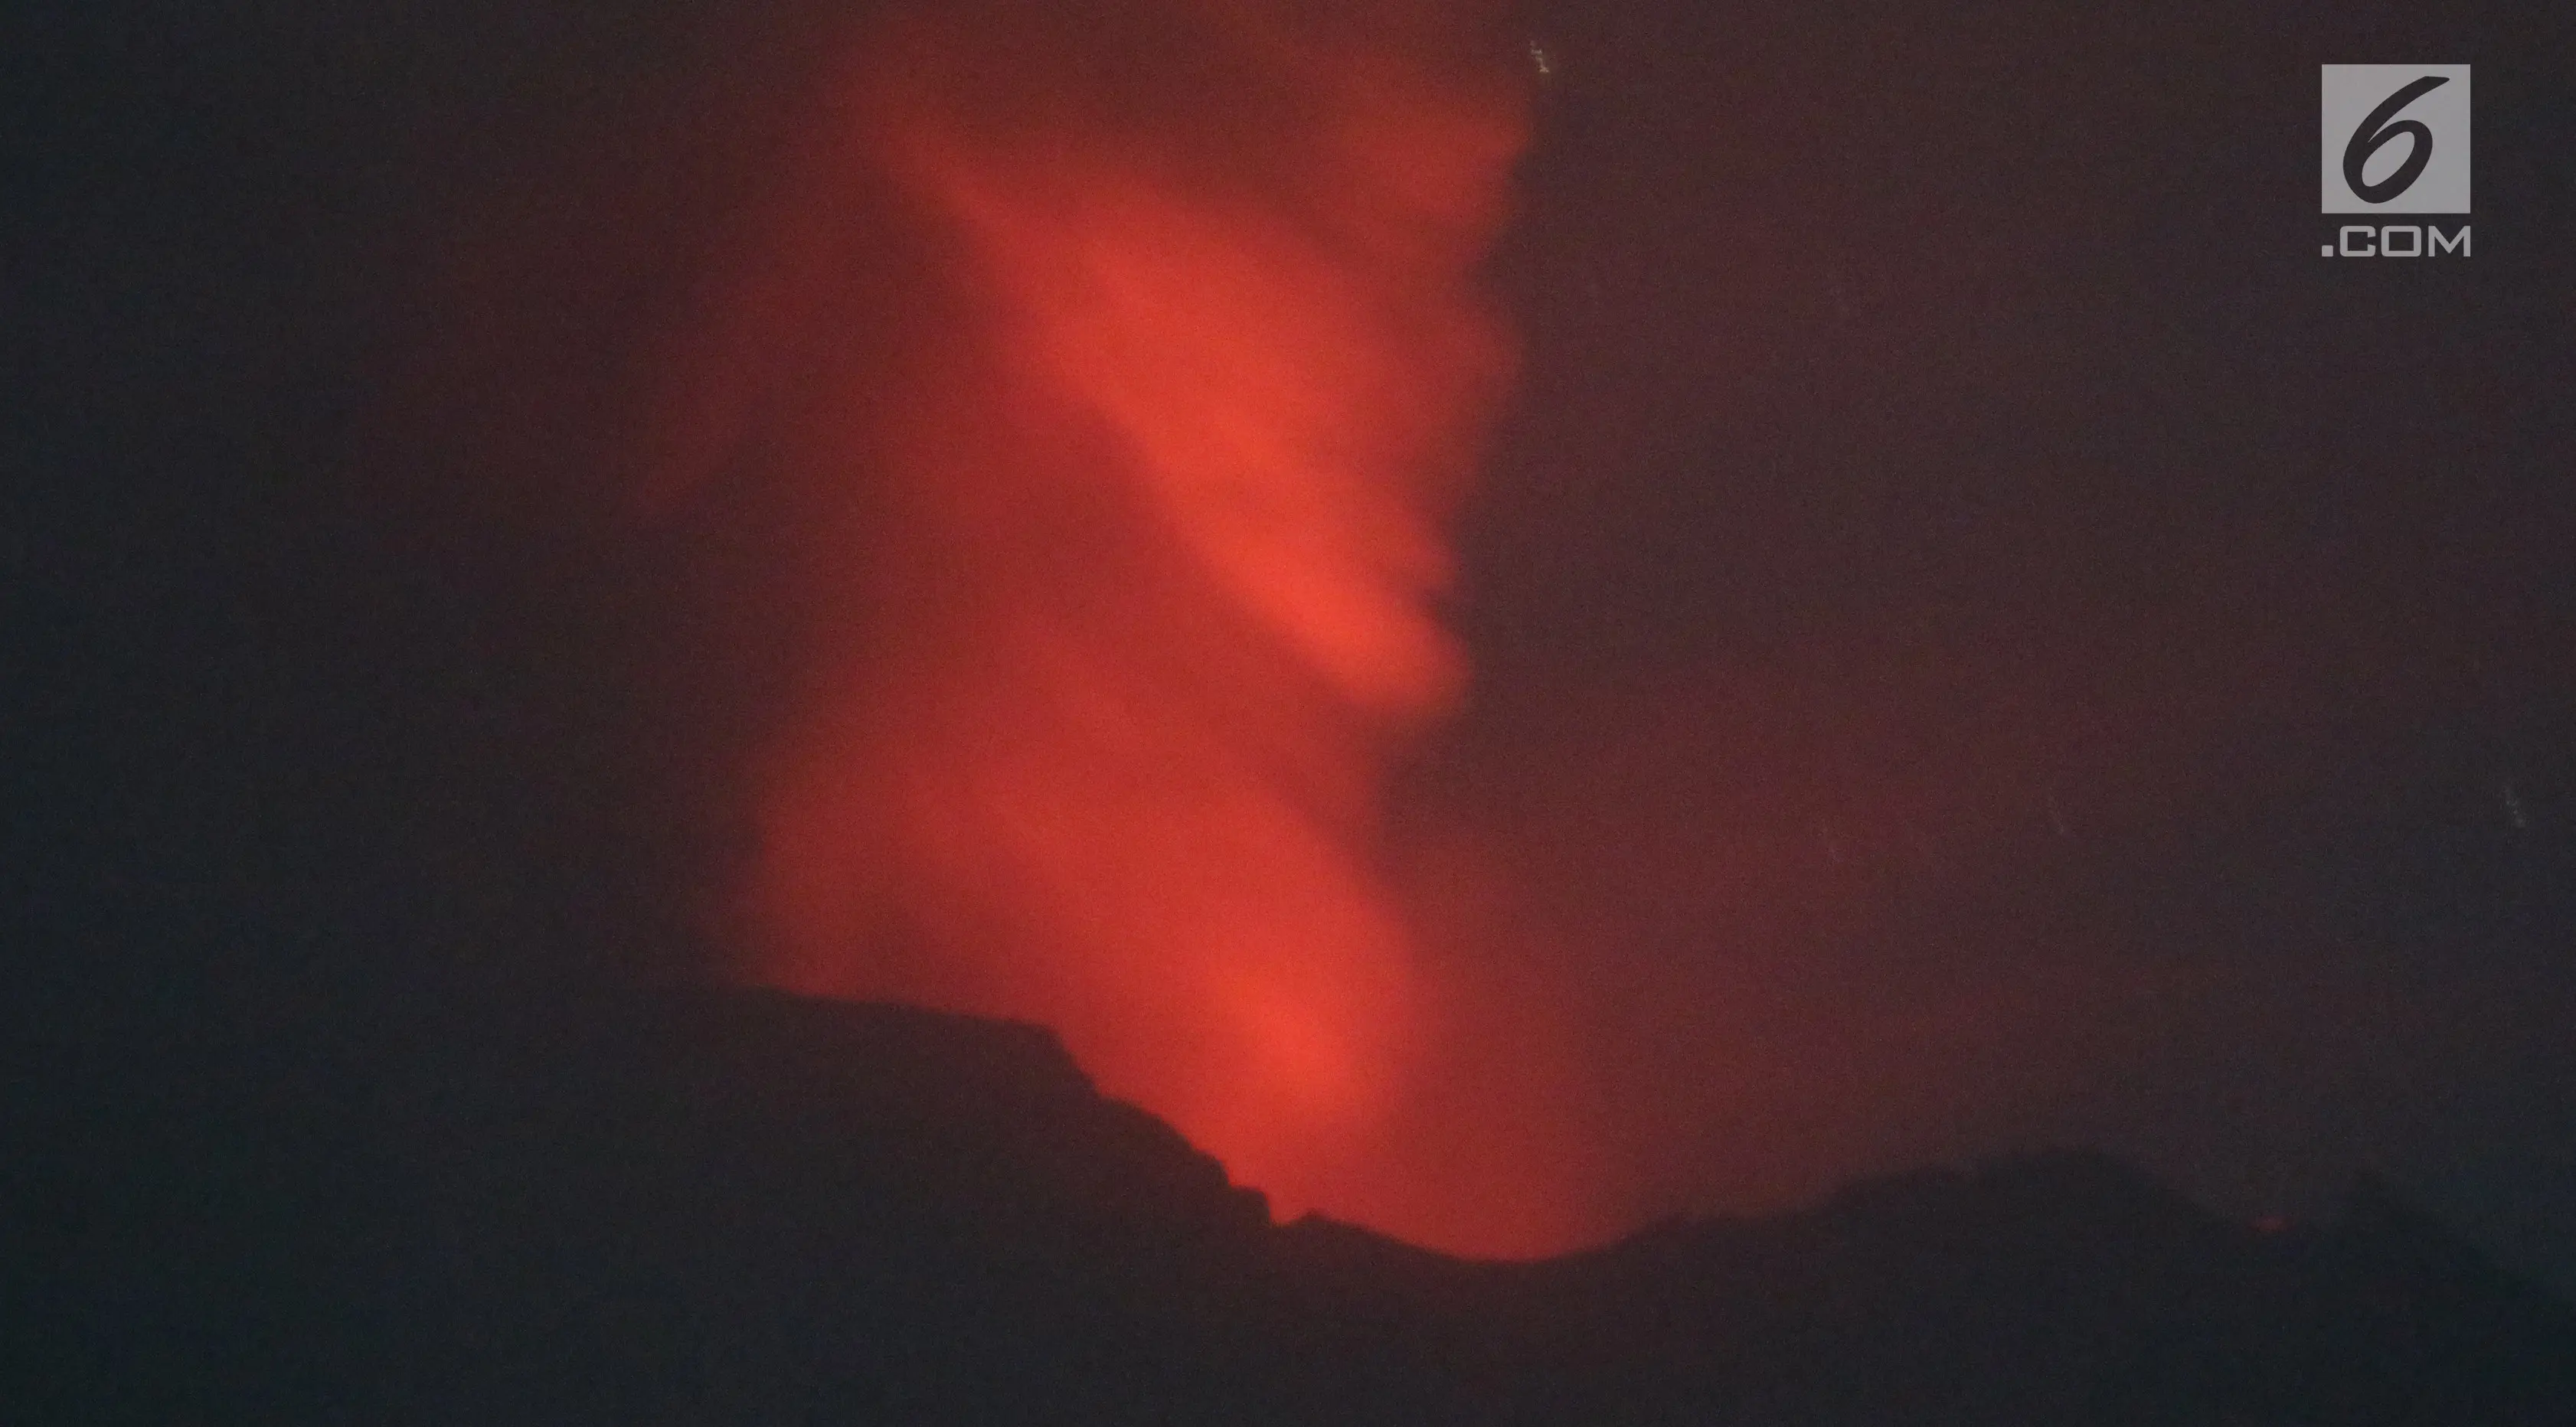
2406	123
2375	132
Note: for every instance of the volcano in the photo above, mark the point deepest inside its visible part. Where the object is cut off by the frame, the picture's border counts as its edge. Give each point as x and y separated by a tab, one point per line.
744	1206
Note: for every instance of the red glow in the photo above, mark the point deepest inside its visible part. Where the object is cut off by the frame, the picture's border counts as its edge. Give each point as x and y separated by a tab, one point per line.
1107	672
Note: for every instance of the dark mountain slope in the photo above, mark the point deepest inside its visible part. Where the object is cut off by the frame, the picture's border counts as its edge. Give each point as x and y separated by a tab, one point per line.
738	1207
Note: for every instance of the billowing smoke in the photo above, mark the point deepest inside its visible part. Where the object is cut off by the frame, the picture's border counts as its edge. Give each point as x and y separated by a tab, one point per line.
1127	361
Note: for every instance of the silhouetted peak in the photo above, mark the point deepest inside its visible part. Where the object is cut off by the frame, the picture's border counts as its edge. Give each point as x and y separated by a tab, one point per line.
765	1104
2055	1207
2379	1231
744	1206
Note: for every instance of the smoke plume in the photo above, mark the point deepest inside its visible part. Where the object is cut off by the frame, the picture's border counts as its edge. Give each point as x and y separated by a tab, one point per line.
1127	364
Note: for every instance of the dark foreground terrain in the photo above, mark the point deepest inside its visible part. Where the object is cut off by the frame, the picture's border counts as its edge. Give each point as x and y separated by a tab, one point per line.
742	1207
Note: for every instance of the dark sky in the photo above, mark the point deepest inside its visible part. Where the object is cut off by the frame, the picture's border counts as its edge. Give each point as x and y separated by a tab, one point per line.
1982	635
1985	635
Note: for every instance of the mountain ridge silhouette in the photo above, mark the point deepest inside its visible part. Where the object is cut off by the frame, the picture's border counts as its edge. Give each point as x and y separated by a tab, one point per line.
711	1205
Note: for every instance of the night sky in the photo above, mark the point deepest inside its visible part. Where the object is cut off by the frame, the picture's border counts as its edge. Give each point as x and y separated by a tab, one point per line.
1981	636
1985	635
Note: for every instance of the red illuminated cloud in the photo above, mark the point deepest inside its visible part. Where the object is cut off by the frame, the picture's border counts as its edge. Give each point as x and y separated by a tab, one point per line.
1106	670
